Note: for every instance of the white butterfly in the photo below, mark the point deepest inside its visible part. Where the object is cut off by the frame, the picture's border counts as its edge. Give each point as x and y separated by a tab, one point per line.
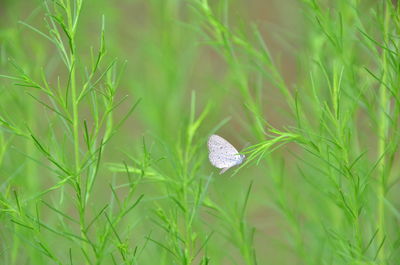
222	154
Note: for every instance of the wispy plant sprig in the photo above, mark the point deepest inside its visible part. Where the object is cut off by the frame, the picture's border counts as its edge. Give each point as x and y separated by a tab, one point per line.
327	109
78	162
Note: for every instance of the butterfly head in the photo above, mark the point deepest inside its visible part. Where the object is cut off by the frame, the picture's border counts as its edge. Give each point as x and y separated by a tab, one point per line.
242	158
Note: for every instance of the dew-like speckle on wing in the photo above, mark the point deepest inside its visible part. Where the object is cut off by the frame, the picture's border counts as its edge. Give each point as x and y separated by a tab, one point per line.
218	144
222	154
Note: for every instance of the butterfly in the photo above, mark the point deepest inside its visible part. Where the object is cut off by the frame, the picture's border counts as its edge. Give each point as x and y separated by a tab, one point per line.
222	154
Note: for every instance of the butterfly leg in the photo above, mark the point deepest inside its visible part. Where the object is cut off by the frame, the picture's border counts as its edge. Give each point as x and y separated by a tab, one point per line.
223	170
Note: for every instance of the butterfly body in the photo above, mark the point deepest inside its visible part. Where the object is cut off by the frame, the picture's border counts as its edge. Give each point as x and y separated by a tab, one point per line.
222	154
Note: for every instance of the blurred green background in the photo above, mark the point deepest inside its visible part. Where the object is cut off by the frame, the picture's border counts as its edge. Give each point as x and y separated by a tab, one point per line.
236	68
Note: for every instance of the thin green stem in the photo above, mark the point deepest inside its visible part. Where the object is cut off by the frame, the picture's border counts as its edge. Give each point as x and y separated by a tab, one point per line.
382	134
72	20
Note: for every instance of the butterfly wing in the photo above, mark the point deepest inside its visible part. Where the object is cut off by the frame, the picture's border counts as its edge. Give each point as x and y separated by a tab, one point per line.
222	154
218	144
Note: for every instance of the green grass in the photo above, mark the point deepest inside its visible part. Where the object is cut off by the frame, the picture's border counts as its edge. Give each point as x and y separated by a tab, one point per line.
106	108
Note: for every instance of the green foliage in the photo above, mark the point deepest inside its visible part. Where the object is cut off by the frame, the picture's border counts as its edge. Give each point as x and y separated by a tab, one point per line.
106	108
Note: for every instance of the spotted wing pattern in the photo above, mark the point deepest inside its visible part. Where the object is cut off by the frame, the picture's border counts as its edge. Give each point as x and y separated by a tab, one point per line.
222	154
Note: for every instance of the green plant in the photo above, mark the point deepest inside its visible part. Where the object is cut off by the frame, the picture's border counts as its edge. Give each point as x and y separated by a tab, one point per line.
90	176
